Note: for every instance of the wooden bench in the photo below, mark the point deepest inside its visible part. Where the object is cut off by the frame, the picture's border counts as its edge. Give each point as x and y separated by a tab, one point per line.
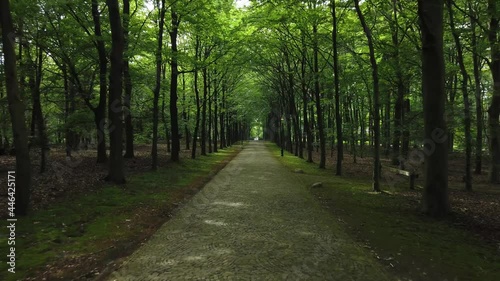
411	174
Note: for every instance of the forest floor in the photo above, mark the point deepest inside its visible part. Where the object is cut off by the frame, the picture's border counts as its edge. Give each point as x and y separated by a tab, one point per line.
55	246
463	246
79	224
477	211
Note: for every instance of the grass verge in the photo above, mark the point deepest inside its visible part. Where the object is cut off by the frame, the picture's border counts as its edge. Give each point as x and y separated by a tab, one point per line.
78	238
411	245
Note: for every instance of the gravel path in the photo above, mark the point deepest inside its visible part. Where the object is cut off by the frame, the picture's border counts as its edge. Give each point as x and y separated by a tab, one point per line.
254	221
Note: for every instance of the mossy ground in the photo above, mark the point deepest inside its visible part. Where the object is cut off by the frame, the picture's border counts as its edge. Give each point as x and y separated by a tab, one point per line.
409	244
72	237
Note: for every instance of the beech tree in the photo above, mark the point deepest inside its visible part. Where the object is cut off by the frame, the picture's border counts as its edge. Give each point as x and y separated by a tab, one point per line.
435	197
16	110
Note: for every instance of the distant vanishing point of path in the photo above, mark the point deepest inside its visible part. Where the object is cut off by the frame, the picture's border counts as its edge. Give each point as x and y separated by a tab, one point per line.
255	220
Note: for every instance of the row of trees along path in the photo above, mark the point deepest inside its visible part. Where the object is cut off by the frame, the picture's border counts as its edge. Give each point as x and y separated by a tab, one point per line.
357	76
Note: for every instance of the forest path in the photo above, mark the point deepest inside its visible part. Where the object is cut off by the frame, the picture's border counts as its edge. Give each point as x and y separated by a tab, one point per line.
255	220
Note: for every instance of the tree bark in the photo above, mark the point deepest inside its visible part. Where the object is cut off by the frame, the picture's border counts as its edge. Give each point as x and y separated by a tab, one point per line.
317	93
157	89
465	95
197	97
435	194
129	130
174	118
116	170
479	100
338	117
35	81
376	101
16	110
204	111
494	109
100	110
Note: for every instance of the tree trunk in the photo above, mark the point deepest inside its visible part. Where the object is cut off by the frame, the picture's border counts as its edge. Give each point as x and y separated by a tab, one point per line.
185	113
174	122
317	93
435	195
129	130
35	81
204	111
209	130
465	95
494	109
222	116
116	169
303	85
197	97
16	110
216	110
338	117
376	101
157	89
100	110
479	100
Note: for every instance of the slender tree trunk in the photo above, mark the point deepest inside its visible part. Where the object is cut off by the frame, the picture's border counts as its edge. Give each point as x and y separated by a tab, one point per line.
303	85
479	100
376	101
16	110
216	111
35	82
209	131
129	130
116	165
435	195
204	112
465	95
100	110
494	109
338	117
174	122
317	93
197	97
156	91
222	118
185	113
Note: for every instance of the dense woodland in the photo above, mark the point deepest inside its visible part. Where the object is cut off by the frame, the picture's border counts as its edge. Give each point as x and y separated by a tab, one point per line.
407	80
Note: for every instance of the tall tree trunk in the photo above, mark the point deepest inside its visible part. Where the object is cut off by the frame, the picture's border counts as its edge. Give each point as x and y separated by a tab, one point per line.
376	101
174	122
222	118
494	109
216	111
185	113
204	111
35	82
157	89
116	170
317	93
209	109
338	117
100	110
129	130
197	97
303	85
435	195
16	110
465	95
479	100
